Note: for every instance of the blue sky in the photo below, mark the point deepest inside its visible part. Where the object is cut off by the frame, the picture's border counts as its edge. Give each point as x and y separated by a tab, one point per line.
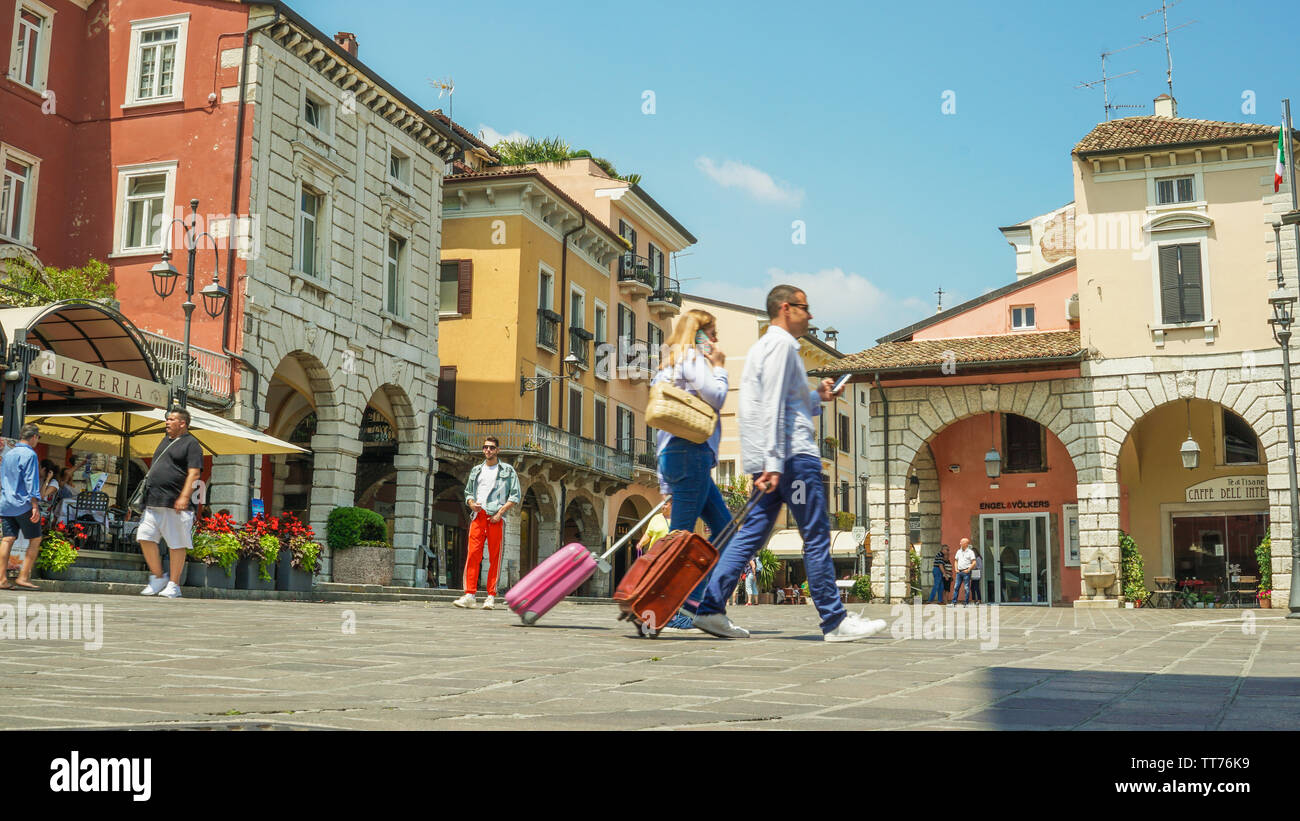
829	113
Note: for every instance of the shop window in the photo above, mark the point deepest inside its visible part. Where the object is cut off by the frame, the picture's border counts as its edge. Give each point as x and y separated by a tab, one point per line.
1024	445
1240	445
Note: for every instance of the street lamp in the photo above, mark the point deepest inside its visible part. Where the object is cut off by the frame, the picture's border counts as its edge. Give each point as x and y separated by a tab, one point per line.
215	296
1283	304
1190	452
992	459
532	383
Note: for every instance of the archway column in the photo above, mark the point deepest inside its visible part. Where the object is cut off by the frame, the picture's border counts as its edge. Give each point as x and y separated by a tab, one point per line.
409	515
333	481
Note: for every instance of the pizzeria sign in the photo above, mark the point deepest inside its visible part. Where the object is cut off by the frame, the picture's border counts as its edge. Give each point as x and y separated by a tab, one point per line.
56	368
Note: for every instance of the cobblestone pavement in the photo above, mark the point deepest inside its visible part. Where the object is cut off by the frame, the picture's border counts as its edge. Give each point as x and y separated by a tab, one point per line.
430	666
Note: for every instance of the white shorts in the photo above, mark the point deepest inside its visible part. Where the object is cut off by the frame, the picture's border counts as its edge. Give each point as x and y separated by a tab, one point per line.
167	524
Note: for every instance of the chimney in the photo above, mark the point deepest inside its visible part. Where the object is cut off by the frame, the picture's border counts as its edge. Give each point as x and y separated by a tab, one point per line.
832	337
1166	106
348	40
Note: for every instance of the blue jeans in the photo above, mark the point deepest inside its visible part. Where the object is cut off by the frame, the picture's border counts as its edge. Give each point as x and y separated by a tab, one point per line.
810	514
936	586
962	579
684	466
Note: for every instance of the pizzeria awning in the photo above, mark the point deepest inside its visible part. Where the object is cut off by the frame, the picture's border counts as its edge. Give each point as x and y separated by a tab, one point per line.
142	430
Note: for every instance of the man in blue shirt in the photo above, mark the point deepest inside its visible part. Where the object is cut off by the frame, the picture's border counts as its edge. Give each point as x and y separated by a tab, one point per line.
778	448
20	506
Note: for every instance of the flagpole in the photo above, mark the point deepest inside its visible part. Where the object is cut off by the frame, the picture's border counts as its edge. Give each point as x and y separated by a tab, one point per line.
1293	603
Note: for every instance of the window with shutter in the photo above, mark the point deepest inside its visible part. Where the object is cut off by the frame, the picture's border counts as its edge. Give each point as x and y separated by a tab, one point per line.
465	287
1182	293
598	420
447	387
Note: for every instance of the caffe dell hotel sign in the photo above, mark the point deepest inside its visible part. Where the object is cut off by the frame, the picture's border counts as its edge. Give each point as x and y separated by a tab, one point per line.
1230	489
55	368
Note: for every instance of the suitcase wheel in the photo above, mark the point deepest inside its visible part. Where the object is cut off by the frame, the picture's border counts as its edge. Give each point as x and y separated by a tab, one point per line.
529	618
645	631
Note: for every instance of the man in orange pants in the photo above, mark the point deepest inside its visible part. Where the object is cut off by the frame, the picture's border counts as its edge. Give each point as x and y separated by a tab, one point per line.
492	489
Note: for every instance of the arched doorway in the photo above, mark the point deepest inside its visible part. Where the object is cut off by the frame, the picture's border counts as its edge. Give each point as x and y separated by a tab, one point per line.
580	524
630	512
450	532
529	521
1198	526
297	387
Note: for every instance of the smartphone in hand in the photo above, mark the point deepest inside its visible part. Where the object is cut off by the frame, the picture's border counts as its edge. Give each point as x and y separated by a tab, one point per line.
840	383
702	343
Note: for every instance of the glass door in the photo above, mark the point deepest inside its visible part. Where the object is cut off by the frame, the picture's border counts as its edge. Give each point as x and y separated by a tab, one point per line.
1017	568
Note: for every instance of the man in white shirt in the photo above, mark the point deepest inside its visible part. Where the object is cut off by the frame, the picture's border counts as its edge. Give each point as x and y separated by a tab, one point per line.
965	560
778	448
491	490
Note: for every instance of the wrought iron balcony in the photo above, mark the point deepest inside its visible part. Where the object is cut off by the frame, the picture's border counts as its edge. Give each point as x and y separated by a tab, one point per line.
635	274
209	371
548	329
667	297
828	449
580	345
644	455
523	437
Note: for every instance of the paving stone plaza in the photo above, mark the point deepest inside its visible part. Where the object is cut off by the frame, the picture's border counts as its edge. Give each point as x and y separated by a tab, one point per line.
425	665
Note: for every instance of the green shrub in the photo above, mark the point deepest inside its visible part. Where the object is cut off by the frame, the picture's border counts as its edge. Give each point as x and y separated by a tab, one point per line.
768	564
56	553
862	588
348	526
1132	571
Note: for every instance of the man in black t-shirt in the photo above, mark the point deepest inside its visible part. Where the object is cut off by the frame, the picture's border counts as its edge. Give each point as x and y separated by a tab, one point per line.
177	463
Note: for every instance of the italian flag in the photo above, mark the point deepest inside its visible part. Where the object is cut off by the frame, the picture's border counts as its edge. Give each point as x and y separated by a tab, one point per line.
1281	160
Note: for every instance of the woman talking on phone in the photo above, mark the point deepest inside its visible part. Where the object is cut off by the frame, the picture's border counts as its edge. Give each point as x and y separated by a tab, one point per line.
693	362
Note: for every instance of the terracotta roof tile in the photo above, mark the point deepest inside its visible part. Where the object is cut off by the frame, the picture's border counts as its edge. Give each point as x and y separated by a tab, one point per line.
974	350
1152	131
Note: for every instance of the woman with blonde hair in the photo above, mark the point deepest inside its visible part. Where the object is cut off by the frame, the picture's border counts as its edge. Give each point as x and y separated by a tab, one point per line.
693	362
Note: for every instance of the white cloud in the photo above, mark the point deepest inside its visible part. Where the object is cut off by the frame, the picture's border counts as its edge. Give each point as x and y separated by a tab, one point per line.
849	302
491	136
755	182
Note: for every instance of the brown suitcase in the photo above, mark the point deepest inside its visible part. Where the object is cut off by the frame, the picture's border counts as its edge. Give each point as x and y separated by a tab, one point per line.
658	583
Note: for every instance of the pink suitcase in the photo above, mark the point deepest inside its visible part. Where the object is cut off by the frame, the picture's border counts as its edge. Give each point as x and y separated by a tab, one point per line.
563	572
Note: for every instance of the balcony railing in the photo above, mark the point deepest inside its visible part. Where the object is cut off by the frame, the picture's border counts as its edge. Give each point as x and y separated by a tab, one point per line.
644	454
520	436
548	328
209	370
828	450
668	290
580	345
632	268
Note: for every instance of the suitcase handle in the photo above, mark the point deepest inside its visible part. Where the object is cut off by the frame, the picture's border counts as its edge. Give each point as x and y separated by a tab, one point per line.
632	530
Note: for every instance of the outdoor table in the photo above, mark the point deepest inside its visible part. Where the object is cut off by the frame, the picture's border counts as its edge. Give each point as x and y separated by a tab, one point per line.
845	585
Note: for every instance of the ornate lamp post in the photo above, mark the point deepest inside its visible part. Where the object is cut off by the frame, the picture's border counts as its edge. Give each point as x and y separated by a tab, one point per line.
532	383
1283	304
214	294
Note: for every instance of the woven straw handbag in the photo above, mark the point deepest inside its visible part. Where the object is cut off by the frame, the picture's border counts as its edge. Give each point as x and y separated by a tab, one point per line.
680	413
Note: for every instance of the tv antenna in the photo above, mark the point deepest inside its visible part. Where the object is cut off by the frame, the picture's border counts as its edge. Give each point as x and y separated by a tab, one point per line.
1104	82
448	87
939	308
1165	6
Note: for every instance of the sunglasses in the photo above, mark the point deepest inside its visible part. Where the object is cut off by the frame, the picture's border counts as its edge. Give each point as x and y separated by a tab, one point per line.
489	447
803	305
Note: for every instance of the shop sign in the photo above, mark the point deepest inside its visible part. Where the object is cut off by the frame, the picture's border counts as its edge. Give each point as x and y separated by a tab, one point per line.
1035	504
56	368
1230	489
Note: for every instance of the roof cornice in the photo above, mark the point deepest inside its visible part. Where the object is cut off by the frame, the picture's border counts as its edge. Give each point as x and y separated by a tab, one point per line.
343	69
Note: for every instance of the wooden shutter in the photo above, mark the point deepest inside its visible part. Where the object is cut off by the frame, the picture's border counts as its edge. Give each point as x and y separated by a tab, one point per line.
447	387
1171	309
464	286
599	421
618	429
1189	259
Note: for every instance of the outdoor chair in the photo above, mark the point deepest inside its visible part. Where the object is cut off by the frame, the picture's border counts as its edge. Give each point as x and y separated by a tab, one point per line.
1163	595
90	510
1242	590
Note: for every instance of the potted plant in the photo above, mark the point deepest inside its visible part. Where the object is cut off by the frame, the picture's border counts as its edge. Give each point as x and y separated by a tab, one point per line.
59	550
214	554
359	546
299	554
1264	556
258	551
1132	570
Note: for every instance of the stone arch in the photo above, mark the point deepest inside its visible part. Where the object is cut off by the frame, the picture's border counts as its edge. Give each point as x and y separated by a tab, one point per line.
539	525
390	478
449	531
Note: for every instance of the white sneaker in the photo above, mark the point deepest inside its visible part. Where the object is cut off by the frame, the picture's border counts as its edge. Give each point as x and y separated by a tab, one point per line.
466	601
156	585
489	603
717	624
855	627
171	591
